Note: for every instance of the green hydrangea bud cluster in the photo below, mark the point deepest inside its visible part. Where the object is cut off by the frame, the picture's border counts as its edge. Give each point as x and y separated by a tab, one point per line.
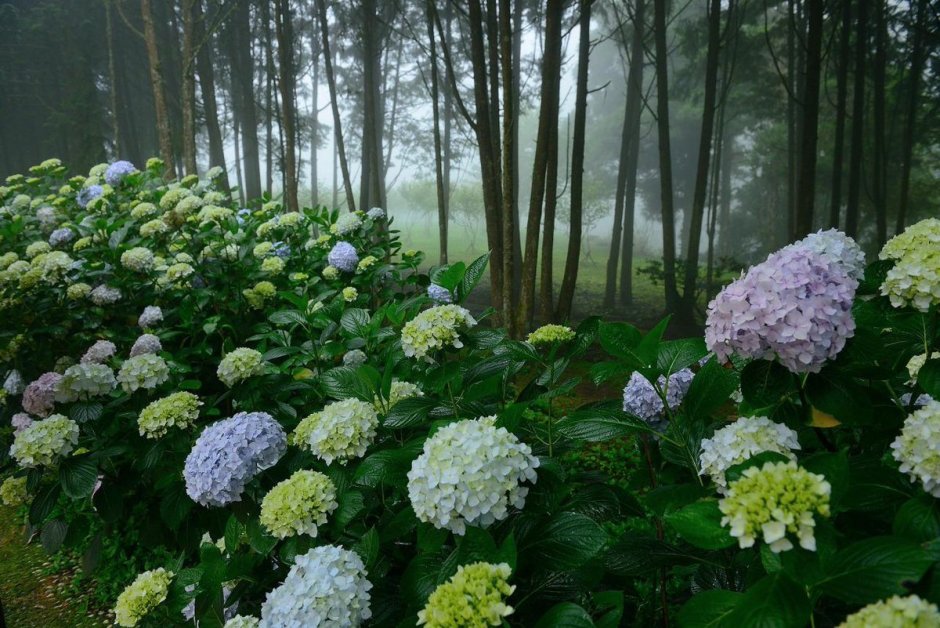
180	410
474	597
143	595
298	504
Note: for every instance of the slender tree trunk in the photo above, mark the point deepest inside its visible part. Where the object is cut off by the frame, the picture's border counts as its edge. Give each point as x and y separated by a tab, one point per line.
573	260
284	30
514	158
487	140
858	123
238	163
910	123
314	118
112	79
447	113
510	115
334	103
635	104
189	86
269	106
613	259
806	182
546	280
372	183
704	155
164	136
207	88
726	246
246	110
792	135
438	161
842	85
713	194
665	158
879	183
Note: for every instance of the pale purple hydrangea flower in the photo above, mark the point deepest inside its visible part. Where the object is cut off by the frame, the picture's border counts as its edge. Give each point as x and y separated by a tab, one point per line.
89	194
440	294
117	171
39	396
14	384
99	352
641	399
376	213
151	315
20	421
344	257
105	295
281	249
839	247
146	343
229	453
61	236
796	306
241	215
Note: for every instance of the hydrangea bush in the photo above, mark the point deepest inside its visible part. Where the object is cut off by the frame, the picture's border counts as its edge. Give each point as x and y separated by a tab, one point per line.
242	416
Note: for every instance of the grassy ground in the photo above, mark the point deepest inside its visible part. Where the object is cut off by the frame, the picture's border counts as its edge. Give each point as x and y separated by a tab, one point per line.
32	595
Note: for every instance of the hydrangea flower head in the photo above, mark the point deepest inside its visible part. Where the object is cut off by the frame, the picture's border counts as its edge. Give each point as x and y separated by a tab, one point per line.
272	266
61	236
775	500
435	329
117	171
258	295
179	410
399	390
326	587
796	307
14	383
45	441
917	447
239	365
84	381
923	235
105	295
341	431
13	492
366	263
298	504
473	597
242	621
746	437
20	421
470	473
350	294
354	358
641	399
229	454
343	256
37	248
346	223
376	213
550	335
150	317
87	195
439	294
99	352
144	594
146	343
915	279
39	396
895	612
146	371
839	248
78	291
139	259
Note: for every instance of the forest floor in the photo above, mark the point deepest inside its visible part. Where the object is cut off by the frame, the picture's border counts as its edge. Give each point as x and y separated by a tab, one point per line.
33	593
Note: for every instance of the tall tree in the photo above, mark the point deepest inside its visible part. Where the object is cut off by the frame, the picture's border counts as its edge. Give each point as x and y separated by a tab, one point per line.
188	90
159	95
573	259
858	122
438	153
806	180
842	90
372	33
284	30
879	170
510	232
243	97
918	57
207	89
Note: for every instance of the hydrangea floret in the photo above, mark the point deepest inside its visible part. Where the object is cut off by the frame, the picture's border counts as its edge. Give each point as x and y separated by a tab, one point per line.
474	597
346	223
104	295
298	504
178	410
399	390
150	317
45	441
242	621
39	396
139	259
239	365
772	501
895	612
435	328
917	447
84	381
746	437
13	492
550	335
440	294
344	257
917	362
99	352
470	472
341	431
914	280
117	171
145	371
146	343
838	247
139	598
641	398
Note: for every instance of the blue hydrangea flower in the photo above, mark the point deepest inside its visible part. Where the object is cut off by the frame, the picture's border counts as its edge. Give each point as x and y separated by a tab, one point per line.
344	257
642	400
241	215
440	294
229	454
89	194
376	213
117	171
281	249
61	236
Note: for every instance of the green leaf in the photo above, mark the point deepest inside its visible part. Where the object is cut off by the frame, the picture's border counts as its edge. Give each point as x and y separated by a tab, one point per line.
840	396
929	378
355	321
43	504
472	277
410	412
175	506
638	556
873	569
368	547
834	467
258	538
708	609
569	540
918	519
449	276
53	534
621	341
601	423
774	600
700	525
735	471
764	383
233	532
84	412
710	388
675	355
78	475
288	317
565	615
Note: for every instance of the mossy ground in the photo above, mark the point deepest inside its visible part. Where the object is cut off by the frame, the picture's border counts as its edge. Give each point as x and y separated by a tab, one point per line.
34	595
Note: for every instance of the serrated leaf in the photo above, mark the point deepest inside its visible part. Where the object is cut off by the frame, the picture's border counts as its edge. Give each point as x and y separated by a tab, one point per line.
472	276
775	600
700	524
873	569
84	412
355	321
43	503
929	378
78	476
708	609
764	383
601	423
710	388
53	534
569	540
409	412
288	317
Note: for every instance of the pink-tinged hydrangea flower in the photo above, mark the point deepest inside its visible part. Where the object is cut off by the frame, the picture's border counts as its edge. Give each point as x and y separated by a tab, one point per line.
796	307
146	343
99	352
39	396
344	257
229	454
20	421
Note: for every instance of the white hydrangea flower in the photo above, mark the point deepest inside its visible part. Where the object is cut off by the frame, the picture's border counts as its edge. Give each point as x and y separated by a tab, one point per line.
341	431
84	381
14	384
746	437
326	587
434	329
839	247
917	448
346	223
470	472
151	315
105	295
895	612
242	621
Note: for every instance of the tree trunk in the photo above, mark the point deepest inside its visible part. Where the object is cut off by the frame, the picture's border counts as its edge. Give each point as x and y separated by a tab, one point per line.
665	158
858	124
372	183
188	90
806	183
238	163
268	98
907	144
244	98
112	79
159	96
704	155
438	160
613	259
334	104
514	158
573	260
842	89
546	281
284	31
879	183
314	117
207	88
510	115
487	140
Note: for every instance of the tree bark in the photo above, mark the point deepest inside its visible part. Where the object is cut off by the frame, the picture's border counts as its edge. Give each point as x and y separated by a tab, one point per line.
879	183
665	158
858	123
613	259
334	104
164	136
510	115
207	88
112	79
806	182
269	106
842	89
910	123
189	87
244	98
573	260
314	117
284	30
438	159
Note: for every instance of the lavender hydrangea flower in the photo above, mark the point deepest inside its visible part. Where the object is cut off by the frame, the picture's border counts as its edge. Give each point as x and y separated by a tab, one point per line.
281	249
88	194
146	343
796	306
20	421
440	294
641	399
229	453
376	213
117	171
241	215
344	257
151	315
61	236
39	396
99	352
